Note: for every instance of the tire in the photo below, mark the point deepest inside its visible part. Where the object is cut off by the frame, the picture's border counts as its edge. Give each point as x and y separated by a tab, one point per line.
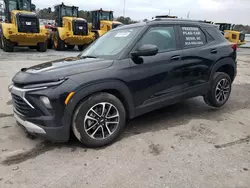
96	35
81	121
70	47
49	44
59	44
41	47
82	47
7	46
219	91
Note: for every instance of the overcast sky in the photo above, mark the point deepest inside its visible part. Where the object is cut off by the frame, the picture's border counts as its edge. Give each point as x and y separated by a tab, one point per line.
233	11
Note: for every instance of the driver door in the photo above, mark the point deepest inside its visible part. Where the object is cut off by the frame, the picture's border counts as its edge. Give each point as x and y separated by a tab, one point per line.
158	79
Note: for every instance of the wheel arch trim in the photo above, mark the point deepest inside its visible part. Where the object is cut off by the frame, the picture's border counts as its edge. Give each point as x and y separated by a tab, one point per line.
103	86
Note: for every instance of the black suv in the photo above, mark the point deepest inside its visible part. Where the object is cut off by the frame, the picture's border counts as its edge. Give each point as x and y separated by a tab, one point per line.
127	72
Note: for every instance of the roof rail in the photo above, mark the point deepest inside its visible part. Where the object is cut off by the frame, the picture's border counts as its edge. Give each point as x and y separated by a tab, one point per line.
177	19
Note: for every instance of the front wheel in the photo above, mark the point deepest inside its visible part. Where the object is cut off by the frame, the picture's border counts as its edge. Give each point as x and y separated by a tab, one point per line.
99	120
41	47
58	43
220	90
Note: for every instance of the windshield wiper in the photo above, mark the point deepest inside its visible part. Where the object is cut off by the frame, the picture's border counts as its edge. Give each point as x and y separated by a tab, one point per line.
88	56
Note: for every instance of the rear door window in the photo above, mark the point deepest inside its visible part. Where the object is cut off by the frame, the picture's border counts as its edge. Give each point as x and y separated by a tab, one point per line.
163	37
192	36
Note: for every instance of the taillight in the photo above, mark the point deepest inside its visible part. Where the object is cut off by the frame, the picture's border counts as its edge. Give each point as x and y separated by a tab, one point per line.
234	46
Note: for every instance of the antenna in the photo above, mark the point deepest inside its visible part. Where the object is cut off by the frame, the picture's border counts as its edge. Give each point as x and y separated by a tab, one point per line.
124	5
188	14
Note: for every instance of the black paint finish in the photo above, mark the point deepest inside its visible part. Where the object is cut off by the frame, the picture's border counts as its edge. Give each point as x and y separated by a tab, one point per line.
143	83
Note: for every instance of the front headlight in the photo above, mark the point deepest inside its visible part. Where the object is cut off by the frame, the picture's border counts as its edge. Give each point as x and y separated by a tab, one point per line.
44	85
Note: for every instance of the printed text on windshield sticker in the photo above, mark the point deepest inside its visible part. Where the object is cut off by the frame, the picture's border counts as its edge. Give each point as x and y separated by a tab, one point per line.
124	34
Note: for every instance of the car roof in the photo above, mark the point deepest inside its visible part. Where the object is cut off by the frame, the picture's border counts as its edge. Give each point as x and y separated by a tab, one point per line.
160	21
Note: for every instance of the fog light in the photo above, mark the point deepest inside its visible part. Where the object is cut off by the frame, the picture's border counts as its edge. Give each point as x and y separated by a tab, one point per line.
46	102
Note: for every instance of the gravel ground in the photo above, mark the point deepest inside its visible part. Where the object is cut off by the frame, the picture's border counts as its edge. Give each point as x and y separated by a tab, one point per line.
184	145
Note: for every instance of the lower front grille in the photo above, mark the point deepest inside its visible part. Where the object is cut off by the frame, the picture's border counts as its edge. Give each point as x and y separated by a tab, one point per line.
22	107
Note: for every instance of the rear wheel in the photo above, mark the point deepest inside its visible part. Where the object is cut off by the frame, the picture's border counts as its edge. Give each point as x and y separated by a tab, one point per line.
58	43
50	44
42	47
70	47
6	45
99	120
220	90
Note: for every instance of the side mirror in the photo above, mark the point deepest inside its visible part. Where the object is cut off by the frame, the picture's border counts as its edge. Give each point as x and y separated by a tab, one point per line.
145	50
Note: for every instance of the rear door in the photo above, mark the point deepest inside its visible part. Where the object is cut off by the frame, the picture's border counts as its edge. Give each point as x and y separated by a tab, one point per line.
198	56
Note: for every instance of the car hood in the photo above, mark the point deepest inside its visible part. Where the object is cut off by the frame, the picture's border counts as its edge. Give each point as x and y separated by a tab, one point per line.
58	69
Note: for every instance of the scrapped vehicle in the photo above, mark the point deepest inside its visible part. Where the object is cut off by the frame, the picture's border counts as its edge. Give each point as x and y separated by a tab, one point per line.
21	27
129	71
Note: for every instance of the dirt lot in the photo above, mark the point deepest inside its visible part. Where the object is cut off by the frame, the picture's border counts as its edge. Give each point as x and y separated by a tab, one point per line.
183	145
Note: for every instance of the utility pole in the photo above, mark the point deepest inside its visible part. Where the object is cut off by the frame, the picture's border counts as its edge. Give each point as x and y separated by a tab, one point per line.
169	12
124	6
188	14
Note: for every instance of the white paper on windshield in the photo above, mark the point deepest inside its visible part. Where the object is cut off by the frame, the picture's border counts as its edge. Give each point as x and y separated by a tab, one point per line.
123	34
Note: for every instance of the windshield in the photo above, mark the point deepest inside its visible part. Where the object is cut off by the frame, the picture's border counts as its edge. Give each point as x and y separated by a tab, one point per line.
19	5
111	44
69	11
12	5
25	5
106	16
224	27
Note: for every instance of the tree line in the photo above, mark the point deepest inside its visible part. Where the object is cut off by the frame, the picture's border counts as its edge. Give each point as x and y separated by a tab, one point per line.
46	13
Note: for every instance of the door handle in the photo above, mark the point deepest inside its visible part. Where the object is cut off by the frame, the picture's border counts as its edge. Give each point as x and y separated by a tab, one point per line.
214	51
176	57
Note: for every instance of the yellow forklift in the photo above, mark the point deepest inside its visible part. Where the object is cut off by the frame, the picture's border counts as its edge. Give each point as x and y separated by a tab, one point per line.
230	34
102	22
70	30
21	27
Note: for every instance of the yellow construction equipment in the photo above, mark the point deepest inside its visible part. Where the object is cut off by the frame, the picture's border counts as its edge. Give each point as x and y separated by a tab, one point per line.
230	34
70	30
102	22
21	27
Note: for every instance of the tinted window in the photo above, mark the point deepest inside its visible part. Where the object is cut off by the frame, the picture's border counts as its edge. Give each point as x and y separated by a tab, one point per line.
162	37
193	36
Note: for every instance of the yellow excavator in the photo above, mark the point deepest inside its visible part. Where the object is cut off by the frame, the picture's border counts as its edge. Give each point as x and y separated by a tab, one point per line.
102	22
21	27
230	34
70	30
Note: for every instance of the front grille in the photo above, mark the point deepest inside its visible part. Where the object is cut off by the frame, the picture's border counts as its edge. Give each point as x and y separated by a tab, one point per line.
80	27
28	24
242	37
22	107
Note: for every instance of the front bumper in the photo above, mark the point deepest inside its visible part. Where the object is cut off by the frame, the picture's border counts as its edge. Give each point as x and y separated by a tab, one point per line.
58	134
26	39
32	114
79	40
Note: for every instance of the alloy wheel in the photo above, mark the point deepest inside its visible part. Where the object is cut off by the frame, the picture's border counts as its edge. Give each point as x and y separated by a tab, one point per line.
222	90
101	121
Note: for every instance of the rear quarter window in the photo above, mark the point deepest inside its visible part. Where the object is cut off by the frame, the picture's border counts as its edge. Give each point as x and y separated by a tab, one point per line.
192	36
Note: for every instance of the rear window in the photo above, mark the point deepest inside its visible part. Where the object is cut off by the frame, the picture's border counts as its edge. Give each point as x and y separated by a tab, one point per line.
193	36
